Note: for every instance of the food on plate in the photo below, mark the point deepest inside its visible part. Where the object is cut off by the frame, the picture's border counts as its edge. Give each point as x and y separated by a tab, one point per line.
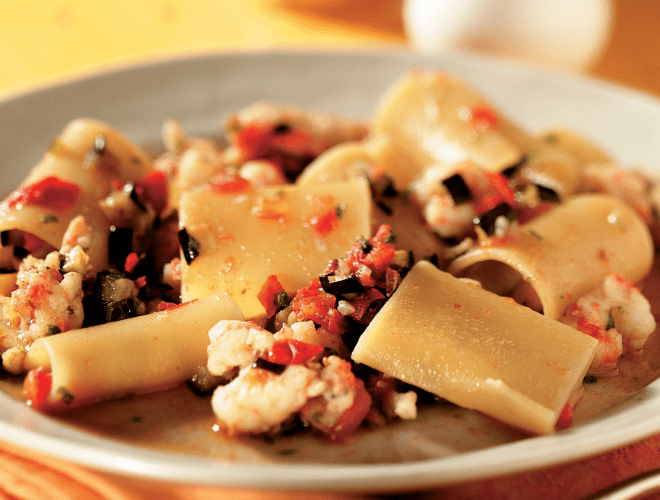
140	354
475	349
242	235
319	272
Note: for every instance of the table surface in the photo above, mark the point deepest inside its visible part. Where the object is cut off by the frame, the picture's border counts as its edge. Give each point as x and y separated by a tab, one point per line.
42	43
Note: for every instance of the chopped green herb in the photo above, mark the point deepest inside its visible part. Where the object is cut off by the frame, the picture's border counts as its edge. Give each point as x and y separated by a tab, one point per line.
610	320
536	235
282	299
49	219
66	396
54	330
339	210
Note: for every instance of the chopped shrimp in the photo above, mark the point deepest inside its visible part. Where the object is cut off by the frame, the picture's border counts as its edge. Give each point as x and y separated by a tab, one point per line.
292	136
631	313
618	316
121	210
630	186
77	239
443	215
391	401
342	405
45	301
262	173
306	331
260	401
188	161
448	219
236	344
48	296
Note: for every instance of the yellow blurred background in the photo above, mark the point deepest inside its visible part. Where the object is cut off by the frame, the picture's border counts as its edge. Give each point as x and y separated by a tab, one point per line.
42	41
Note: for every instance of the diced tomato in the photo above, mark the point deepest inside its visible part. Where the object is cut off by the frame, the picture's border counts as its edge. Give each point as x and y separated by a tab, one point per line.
49	192
154	190
141	281
132	260
483	117
363	301
37	386
293	352
565	419
493	190
325	223
228	183
295	141
379	254
250	140
351	419
303	352
268	294
314	303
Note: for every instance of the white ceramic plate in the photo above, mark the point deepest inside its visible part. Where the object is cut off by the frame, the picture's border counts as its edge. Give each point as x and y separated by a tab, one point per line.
199	91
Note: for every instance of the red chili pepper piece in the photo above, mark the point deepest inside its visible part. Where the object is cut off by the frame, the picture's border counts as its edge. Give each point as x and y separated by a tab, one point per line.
49	192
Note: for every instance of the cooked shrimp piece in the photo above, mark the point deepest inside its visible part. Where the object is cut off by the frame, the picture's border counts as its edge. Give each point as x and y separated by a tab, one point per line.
289	135
77	239
590	316
46	301
342	405
443	214
236	344
262	173
391	401
630	186
260	401
616	314
631	313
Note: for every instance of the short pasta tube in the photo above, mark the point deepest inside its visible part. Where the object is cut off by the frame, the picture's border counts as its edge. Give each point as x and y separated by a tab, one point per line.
133	356
563	254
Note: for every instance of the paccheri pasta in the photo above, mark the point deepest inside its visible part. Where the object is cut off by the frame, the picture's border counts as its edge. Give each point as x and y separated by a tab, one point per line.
321	272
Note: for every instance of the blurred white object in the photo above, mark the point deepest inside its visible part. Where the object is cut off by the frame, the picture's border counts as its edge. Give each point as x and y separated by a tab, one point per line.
567	34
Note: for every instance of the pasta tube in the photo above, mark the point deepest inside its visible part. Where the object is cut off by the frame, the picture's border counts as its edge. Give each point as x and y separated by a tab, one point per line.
563	254
431	117
137	355
76	172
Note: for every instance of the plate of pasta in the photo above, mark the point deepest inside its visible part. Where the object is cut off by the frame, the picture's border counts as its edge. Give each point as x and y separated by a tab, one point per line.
363	272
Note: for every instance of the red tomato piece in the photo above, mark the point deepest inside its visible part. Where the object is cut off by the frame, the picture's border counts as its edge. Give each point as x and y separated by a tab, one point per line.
49	192
268	294
565	419
228	184
154	191
36	387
